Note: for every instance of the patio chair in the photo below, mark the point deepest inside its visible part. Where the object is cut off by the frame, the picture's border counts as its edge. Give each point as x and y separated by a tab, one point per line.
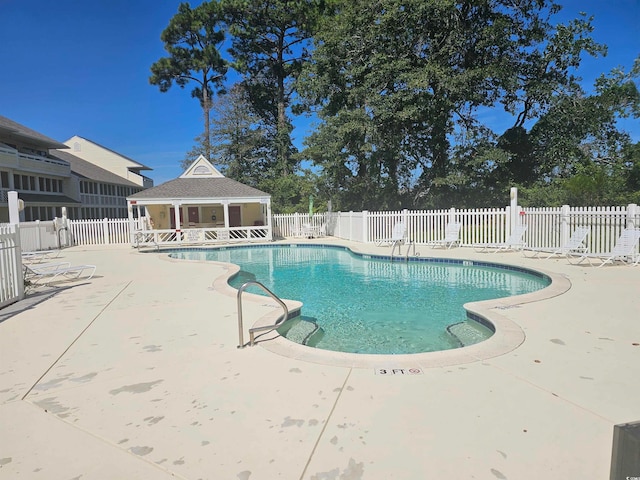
39	256
47	273
451	237
575	244
625	250
397	236
309	231
514	242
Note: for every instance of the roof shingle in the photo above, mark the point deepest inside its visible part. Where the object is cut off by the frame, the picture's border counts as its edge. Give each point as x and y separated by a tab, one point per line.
199	188
11	128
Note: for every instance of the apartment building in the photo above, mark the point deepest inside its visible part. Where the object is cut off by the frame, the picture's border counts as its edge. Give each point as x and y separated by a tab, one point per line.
48	177
114	162
101	193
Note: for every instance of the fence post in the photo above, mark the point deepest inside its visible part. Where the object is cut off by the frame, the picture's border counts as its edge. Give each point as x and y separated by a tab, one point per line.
633	216
565	228
14	207
514	210
365	226
350	225
408	227
16	258
38	236
18	261
64	229
105	230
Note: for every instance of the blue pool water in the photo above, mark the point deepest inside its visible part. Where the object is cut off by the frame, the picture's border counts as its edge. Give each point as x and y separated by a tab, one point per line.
365	304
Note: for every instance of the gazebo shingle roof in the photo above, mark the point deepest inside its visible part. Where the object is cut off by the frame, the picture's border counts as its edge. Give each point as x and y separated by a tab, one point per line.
211	188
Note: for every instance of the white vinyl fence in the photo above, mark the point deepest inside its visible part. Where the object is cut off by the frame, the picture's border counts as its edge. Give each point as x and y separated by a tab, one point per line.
12	282
60	233
552	227
547	227
107	231
39	235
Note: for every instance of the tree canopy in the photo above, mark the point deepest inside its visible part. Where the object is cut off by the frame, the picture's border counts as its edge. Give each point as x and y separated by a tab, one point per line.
400	90
193	39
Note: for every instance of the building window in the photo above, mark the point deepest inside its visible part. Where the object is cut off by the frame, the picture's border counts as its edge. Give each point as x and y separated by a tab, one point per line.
4	180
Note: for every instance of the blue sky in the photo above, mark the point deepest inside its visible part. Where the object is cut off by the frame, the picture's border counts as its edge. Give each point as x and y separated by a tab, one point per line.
81	67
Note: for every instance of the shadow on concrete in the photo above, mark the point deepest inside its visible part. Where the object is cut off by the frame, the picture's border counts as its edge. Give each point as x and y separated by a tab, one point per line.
30	301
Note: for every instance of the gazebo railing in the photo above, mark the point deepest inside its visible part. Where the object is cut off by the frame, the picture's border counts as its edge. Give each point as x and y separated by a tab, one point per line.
200	236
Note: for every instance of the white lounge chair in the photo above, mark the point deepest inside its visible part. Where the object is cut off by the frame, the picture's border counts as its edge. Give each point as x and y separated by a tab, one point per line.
40	256
310	231
451	237
514	242
576	244
397	236
625	250
47	273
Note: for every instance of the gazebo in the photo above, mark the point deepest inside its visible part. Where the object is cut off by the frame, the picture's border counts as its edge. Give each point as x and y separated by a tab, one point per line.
201	206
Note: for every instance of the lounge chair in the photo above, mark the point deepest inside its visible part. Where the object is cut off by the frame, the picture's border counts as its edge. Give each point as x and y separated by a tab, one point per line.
451	237
514	242
625	250
575	244
40	256
47	273
397	236
310	231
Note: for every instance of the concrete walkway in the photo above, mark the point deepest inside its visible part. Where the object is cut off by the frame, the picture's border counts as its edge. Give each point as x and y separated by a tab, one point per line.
135	374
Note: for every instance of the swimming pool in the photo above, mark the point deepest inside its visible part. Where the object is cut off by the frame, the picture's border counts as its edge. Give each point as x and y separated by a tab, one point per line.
367	304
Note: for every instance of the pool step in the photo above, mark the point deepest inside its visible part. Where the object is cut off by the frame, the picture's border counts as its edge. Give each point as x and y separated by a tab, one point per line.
303	331
468	332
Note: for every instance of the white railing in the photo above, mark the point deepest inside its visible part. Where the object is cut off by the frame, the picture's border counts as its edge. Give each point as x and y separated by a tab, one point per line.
547	227
12	280
423	226
107	231
200	236
294	225
41	159
551	227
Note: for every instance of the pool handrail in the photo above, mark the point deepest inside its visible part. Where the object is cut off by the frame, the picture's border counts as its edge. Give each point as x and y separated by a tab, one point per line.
264	328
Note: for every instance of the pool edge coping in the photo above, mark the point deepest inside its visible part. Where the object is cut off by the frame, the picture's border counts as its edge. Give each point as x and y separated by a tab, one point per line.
507	337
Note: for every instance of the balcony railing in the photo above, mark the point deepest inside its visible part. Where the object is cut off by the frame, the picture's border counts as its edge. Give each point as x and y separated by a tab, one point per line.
29	162
37	163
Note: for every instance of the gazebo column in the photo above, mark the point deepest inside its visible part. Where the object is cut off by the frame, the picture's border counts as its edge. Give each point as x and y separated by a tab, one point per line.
268	213
132	228
225	206
177	207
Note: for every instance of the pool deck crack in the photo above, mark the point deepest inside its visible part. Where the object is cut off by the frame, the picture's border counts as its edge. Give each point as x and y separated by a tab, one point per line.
73	342
548	391
326	423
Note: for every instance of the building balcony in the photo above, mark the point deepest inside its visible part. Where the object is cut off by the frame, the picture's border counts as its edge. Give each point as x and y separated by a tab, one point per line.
30	163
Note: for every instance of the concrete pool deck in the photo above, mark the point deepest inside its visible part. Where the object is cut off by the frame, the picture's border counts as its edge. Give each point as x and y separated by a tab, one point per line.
135	374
